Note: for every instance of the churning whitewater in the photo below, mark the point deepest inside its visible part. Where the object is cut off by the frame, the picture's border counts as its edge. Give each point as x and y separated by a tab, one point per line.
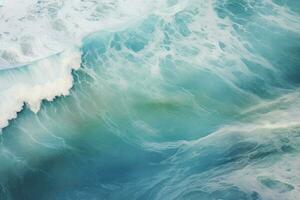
169	99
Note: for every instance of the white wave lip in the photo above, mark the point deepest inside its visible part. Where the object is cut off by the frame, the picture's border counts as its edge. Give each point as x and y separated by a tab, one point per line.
31	84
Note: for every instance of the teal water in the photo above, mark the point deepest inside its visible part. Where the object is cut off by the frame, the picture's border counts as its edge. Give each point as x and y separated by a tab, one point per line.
197	100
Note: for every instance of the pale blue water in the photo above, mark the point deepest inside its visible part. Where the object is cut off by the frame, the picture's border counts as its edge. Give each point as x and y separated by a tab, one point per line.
199	100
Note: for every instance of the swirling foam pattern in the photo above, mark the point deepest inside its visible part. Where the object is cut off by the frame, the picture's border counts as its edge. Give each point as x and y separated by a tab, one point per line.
174	99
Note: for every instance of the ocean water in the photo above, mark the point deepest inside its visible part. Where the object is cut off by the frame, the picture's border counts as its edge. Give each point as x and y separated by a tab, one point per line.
169	99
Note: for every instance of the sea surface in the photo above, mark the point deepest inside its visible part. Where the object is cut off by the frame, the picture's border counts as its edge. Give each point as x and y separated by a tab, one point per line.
149	99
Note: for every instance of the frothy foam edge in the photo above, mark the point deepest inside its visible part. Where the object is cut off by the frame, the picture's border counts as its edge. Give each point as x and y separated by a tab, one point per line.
31	84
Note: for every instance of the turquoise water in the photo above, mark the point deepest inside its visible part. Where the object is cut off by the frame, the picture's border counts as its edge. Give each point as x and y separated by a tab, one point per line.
196	100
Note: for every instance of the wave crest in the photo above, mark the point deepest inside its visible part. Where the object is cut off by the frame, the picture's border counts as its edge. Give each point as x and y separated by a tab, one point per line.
45	79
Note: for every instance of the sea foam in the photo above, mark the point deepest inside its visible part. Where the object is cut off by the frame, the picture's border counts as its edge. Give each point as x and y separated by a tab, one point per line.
30	84
31	30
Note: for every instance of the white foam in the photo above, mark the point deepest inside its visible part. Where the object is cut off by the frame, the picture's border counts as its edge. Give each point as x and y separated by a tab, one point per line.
31	30
45	79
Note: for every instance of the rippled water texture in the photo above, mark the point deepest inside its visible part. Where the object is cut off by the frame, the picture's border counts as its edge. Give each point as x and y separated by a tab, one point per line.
174	99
